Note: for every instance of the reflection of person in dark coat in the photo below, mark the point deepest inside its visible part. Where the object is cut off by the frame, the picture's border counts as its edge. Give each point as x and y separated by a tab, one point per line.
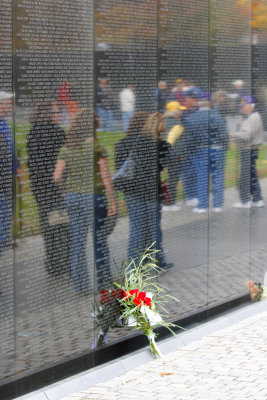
43	143
143	196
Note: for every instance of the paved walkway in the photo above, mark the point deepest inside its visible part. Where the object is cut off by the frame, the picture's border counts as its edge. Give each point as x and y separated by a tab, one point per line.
229	364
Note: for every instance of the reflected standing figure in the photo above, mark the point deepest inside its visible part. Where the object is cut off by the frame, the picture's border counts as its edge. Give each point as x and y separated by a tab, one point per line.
87	188
127	102
43	145
208	140
105	99
249	137
150	155
176	138
5	170
188	171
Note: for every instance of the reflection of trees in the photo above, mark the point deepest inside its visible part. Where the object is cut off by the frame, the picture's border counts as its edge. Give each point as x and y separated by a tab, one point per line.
230	22
183	22
54	23
126	22
143	20
258	15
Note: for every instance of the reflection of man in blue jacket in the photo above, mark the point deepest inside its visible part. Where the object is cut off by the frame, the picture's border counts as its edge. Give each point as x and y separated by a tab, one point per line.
6	155
188	170
207	141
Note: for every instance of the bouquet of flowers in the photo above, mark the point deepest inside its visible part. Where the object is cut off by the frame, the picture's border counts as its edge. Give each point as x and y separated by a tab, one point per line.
143	297
257	291
135	302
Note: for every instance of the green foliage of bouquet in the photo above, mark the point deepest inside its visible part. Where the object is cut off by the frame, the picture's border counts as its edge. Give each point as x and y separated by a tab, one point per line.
143	298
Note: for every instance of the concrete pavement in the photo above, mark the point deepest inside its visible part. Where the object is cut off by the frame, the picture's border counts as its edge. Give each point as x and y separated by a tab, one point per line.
228	364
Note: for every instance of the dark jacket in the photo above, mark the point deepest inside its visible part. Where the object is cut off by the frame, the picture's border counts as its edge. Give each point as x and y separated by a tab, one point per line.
43	143
150	157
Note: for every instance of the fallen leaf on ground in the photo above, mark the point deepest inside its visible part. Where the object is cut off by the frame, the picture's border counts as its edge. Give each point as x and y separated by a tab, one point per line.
165	373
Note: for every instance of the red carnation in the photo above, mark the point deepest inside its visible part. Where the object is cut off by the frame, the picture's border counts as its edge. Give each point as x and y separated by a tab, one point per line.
134	292
142	296
148	301
137	302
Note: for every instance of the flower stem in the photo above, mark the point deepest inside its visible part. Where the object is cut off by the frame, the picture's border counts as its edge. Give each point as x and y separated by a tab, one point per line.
154	348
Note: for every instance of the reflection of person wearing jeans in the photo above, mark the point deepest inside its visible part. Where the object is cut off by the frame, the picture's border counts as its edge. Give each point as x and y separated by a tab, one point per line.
88	181
249	136
207	141
5	192
8	164
143	195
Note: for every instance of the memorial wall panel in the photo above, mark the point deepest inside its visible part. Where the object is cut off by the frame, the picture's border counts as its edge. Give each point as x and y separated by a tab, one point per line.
183	67
259	92
7	318
230	81
126	102
54	262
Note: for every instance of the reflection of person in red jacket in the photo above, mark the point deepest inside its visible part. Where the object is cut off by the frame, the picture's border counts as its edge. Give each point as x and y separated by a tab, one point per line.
69	107
63	93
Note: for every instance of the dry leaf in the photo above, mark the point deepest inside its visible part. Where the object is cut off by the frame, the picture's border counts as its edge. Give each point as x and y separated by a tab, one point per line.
165	373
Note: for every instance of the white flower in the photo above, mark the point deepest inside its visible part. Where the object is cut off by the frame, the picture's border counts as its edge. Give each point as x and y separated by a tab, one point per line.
132	321
153	317
264	293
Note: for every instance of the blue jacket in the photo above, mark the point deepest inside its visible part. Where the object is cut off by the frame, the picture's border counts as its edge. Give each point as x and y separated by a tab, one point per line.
206	128
6	132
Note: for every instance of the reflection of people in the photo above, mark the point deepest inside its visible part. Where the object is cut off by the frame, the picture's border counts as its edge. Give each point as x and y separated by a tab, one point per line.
143	198
176	138
127	102
105	105
43	144
88	182
5	111
249	137
5	192
178	91
68	103
8	164
188	171
219	103
207	141
239	90
162	96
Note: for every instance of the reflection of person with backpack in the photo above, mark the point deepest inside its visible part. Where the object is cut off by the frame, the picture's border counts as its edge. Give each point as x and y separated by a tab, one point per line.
143	196
88	187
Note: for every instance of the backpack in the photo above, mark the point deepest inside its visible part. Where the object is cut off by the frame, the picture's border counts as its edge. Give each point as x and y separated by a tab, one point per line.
124	177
